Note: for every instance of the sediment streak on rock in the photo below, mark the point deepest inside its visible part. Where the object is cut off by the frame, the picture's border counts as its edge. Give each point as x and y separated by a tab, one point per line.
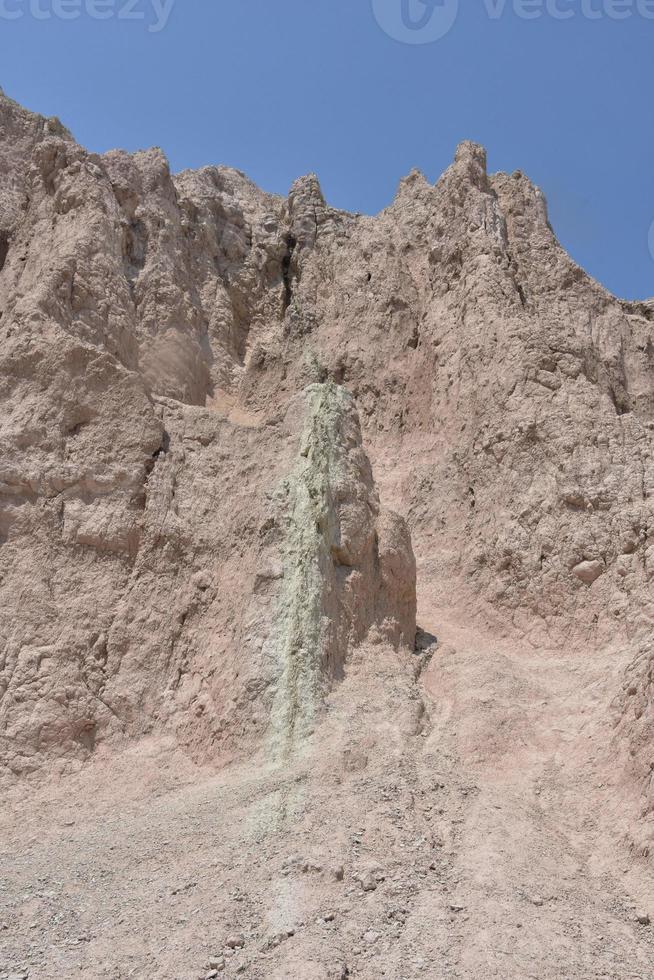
333	589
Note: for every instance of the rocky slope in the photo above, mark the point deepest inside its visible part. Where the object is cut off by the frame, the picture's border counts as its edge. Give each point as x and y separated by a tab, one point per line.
210	398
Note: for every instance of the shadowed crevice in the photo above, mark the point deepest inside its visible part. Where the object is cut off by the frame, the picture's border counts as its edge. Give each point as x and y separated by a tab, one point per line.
4	248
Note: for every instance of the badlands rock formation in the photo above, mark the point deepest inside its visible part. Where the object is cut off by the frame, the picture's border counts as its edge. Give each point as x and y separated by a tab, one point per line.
198	382
171	559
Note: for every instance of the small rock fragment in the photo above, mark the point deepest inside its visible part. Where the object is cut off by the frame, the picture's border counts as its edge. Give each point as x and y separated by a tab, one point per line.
277	938
588	571
341	972
235	942
310	867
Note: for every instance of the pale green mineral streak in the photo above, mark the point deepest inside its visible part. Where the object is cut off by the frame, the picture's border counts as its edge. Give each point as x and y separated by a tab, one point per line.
307	564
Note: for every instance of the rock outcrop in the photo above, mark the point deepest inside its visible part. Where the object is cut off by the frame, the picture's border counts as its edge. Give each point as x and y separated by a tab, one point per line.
215	597
190	535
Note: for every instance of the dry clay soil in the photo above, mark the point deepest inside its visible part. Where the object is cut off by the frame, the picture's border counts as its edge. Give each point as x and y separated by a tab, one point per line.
453	816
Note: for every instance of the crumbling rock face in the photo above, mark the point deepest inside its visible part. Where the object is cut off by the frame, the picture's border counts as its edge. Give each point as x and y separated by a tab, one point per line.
514	394
214	593
22	131
346	566
634	713
170	557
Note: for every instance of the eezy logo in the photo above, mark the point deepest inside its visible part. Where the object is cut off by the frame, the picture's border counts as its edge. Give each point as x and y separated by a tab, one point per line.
416	21
154	13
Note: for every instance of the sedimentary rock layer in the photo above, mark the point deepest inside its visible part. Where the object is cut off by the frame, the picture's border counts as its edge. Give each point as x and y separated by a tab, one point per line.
190	534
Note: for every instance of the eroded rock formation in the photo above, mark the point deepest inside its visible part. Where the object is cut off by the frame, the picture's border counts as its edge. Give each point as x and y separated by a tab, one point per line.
190	535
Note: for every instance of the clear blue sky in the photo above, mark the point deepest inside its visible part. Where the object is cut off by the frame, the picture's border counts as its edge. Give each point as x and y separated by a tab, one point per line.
282	87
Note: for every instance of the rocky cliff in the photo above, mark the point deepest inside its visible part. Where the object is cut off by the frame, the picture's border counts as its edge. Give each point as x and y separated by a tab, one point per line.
196	377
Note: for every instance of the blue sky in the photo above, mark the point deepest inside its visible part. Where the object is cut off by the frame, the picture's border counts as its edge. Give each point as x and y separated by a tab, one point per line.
282	87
